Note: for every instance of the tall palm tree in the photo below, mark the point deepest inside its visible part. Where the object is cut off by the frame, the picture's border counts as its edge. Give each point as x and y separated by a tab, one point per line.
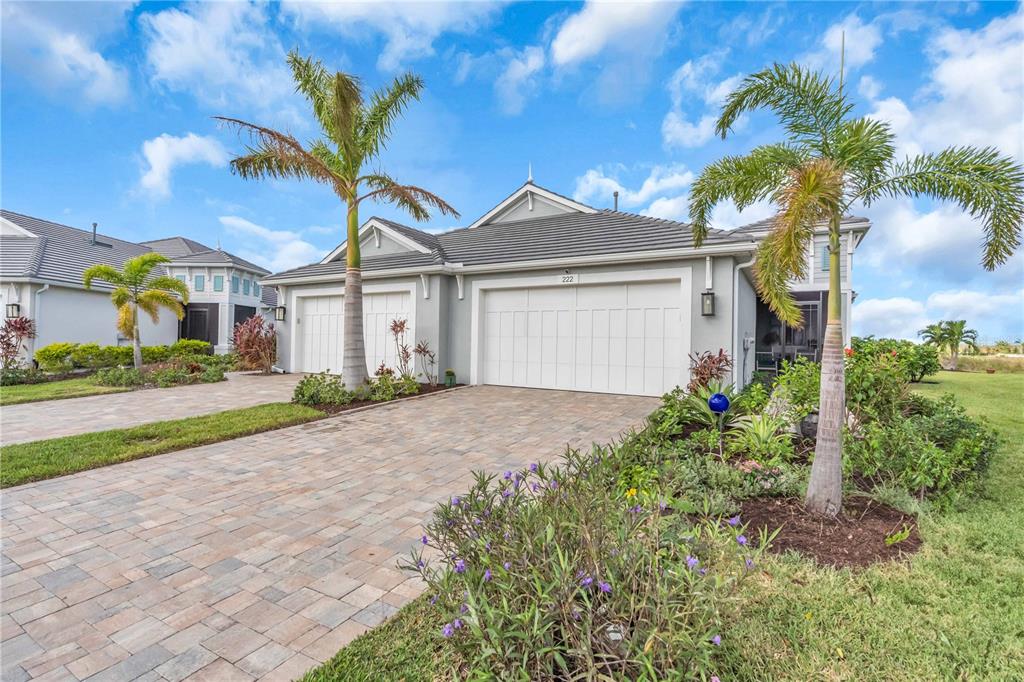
135	289
933	335
957	335
355	132
829	161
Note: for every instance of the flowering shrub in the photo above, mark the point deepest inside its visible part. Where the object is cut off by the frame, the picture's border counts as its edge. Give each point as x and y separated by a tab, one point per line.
255	341
917	360
13	335
548	573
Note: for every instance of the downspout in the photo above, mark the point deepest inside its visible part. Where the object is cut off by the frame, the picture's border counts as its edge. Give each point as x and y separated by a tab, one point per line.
737	343
35	316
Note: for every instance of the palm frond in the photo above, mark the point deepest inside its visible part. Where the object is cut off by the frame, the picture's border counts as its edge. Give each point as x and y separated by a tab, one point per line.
121	296
151	301
126	320
743	179
986	184
334	96
104	273
864	147
171	284
414	200
772	282
812	195
807	103
276	155
385	107
137	270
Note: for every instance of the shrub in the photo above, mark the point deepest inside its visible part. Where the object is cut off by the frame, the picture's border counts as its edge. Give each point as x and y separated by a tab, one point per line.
113	356
187	347
211	374
55	357
428	361
89	355
166	377
256	344
13	335
681	412
707	367
754	397
917	360
876	386
321	389
799	383
761	438
119	376
547	572
20	375
152	355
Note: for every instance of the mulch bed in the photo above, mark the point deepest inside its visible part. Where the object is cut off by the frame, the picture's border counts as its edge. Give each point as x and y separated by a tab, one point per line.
855	539
338	409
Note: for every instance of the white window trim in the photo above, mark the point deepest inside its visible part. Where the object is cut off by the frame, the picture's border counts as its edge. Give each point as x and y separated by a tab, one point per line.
683	274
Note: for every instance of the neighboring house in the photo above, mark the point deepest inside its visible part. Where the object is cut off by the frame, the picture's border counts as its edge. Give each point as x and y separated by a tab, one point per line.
223	289
41	266
543	291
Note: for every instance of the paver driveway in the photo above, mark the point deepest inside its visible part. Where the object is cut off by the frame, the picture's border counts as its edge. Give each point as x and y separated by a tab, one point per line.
259	557
55	418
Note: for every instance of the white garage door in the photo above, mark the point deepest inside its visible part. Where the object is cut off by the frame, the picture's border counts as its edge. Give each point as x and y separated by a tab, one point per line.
321	324
612	338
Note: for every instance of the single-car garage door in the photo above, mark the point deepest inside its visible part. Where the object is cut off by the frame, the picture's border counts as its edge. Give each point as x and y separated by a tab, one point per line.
613	338
321	324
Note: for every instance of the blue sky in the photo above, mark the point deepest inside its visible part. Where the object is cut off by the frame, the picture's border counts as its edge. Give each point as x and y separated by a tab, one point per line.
106	117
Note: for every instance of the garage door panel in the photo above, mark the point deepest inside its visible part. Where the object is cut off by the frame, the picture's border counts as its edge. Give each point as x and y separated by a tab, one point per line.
321	330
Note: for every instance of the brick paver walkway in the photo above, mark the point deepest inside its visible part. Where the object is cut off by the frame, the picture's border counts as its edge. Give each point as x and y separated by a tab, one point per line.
260	557
55	418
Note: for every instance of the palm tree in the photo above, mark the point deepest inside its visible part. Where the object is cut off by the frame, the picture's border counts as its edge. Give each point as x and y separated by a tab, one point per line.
135	289
957	334
828	162
354	134
933	335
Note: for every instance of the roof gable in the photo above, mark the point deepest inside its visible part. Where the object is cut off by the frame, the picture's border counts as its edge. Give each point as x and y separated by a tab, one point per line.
413	240
528	202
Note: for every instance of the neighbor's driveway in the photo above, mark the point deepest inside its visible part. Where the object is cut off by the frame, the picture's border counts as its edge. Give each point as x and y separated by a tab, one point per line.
259	557
55	418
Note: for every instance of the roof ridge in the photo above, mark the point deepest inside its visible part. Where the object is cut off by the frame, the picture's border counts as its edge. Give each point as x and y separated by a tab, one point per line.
86	233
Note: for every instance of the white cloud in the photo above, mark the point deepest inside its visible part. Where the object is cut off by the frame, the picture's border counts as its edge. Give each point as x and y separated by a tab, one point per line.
726	216
276	250
610	25
53	45
518	80
409	28
862	40
994	315
597	185
223	53
974	92
694	80
869	87
669	208
165	152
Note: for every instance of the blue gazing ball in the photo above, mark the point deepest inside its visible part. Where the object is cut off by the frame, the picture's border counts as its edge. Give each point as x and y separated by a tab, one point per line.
718	403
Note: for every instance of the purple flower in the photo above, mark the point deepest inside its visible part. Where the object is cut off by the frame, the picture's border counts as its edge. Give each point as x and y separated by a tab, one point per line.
605	587
506	494
750	562
487	575
460	566
456	501
463	609
714	678
587	581
734	521
717	640
487	546
703	571
692	561
420	563
662	506
535	487
433	600
554	484
508	475
477	522
615	552
448	630
507	535
425	540
457	623
742	539
636	510
507	565
533	467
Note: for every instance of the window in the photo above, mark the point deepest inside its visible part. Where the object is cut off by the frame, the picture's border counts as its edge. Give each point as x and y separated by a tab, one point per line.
255	289
218	282
824	259
200	282
245	287
234	284
180	278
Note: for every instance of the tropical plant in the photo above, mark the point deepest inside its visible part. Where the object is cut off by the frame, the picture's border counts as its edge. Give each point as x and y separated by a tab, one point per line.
707	367
762	438
830	162
13	335
135	289
256	344
355	132
428	361
403	355
951	336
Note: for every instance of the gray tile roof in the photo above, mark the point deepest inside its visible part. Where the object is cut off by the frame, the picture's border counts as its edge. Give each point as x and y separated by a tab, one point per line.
61	253
425	239
268	296
176	247
766	224
217	256
559	236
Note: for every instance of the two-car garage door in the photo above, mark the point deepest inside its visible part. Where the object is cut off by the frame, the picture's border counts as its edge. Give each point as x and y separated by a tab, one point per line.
321	321
614	338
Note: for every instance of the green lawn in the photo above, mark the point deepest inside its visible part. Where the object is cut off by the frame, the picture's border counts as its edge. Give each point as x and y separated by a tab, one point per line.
54	390
38	460
955	612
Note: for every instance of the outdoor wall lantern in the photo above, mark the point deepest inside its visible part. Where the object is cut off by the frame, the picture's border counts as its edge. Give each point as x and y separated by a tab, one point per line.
279	313
707	303
13	310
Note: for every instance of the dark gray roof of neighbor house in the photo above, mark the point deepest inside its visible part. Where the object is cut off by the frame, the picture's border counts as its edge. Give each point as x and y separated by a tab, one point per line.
565	235
176	247
268	296
59	253
766	224
218	256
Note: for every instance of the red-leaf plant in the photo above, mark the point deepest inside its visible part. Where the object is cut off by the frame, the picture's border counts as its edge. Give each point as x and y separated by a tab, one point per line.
707	367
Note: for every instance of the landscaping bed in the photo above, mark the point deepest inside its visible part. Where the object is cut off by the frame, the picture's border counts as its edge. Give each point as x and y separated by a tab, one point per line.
336	408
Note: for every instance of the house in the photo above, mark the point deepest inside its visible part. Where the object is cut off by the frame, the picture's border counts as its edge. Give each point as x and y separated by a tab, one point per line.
223	289
543	291
41	266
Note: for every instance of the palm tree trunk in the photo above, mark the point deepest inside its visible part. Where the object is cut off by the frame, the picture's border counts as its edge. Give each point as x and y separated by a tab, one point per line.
825	488
954	355
354	364
136	341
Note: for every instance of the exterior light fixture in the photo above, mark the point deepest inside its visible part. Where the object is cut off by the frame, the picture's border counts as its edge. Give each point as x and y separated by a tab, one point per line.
13	310
707	303
279	313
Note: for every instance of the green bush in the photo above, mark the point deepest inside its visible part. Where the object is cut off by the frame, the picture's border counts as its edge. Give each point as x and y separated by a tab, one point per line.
550	571
761	438
13	376
119	376
916	359
55	357
211	374
321	389
87	355
799	383
154	354
681	411
876	386
754	397
172	376
183	347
